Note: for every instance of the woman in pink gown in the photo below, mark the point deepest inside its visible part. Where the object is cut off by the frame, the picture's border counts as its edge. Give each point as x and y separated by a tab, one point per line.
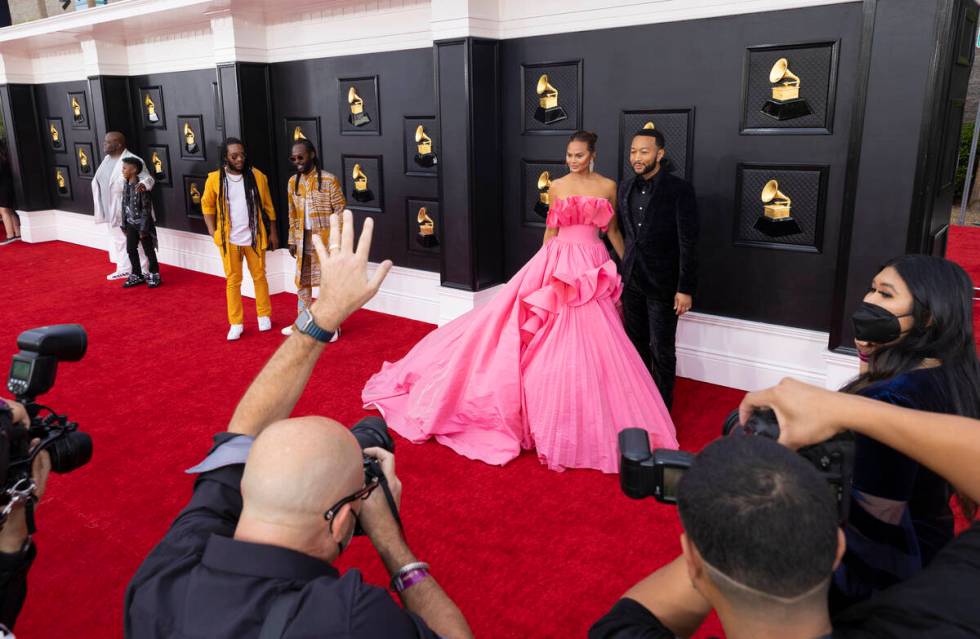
546	364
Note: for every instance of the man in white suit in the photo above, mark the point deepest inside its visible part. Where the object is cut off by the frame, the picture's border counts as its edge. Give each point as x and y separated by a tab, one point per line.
107	191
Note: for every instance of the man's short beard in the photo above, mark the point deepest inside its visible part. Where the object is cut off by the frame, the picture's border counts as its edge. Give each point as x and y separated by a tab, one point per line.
647	168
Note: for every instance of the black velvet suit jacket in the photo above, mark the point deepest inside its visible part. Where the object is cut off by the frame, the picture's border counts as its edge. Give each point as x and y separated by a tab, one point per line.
662	255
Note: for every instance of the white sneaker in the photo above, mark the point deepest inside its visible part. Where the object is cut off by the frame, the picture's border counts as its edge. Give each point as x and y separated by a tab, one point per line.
265	323
287	330
118	275
235	331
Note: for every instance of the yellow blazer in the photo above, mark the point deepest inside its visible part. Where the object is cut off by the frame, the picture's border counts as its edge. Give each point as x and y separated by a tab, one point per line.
211	206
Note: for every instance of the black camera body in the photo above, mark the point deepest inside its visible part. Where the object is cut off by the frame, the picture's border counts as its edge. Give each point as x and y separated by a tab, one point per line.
656	474
372	432
32	372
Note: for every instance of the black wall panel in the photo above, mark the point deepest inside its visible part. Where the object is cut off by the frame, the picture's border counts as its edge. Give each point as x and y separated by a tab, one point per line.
184	93
697	64
27	158
53	102
310	89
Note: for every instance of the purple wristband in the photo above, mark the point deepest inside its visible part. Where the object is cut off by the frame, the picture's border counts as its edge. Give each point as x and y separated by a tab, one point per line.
863	357
409	579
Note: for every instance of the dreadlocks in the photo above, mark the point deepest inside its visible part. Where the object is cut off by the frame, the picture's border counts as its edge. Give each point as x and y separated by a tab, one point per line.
306	144
252	198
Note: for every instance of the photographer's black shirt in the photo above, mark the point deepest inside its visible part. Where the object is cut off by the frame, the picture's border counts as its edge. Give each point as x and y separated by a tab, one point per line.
200	582
939	603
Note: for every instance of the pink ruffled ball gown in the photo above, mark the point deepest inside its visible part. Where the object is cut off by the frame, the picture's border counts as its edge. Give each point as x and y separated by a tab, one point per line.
546	364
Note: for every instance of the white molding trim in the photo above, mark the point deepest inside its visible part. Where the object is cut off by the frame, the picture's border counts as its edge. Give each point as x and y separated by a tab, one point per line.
719	350
137	37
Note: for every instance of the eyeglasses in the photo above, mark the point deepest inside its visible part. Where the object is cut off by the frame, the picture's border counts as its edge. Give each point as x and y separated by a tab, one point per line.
361	494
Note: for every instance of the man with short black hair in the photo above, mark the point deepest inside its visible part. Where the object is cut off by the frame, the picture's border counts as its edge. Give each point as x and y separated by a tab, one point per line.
759	546
658	215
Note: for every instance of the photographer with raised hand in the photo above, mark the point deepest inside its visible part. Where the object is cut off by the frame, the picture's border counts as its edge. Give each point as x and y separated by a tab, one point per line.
17	551
277	501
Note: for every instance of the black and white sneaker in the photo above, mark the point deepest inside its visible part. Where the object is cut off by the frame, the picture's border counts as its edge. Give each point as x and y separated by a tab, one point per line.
153	280
134	280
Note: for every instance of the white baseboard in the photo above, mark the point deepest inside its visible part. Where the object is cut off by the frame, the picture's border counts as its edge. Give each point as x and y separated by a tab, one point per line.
710	348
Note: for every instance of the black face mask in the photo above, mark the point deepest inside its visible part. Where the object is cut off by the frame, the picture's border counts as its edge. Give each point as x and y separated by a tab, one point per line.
875	324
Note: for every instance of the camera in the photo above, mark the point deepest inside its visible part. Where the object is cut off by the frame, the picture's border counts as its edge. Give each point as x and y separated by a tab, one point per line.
372	432
657	474
32	373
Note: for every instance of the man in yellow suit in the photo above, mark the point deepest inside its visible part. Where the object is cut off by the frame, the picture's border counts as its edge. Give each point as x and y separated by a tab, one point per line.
236	206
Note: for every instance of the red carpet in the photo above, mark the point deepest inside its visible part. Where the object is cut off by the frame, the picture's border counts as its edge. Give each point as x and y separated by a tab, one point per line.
524	551
964	249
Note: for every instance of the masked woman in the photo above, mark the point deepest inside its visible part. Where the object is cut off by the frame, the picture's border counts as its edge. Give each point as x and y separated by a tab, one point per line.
914	335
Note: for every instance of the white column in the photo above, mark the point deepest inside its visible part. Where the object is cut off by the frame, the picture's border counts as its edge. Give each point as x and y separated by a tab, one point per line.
465	18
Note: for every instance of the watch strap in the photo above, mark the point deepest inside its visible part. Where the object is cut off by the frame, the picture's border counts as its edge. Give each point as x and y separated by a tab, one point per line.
307	325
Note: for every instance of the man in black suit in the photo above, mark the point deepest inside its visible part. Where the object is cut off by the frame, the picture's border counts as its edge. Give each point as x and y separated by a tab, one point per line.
659	220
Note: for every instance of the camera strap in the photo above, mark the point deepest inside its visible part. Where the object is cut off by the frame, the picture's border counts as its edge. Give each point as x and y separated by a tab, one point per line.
391	501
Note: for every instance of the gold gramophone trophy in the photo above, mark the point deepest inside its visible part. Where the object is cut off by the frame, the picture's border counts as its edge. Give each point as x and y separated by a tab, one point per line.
548	111
427	230
425	157
361	191
195	192
83	165
157	166
190	140
59	179
786	102
55	136
298	134
649	126
151	109
357	115
776	219
544	199
76	110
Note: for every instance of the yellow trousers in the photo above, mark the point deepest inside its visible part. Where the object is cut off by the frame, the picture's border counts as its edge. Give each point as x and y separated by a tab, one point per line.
232	260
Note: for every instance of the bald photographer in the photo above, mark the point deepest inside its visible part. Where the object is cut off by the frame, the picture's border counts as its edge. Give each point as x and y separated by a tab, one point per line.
278	500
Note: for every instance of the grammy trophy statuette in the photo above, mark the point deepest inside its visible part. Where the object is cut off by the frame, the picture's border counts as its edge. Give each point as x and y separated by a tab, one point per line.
55	136
59	179
298	134
357	115
361	191
157	163
544	199
548	111
786	103
776	219
151	109
83	164
190	140
195	192
423	143
76	109
427	230
649	126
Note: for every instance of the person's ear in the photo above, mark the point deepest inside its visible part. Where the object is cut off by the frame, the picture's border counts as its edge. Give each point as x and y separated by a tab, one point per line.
342	521
660	155
841	547
695	567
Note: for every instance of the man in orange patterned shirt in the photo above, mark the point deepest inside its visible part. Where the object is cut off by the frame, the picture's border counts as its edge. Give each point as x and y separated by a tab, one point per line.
314	195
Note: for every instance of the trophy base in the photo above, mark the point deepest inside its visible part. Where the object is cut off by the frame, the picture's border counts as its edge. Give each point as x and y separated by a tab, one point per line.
359	119
427	241
787	110
550	116
63	191
777	228
159	176
363	196
190	148
427	160
84	170
541	208
57	145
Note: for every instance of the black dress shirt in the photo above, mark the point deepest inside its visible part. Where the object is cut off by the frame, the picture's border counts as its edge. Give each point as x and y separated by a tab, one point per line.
640	197
200	582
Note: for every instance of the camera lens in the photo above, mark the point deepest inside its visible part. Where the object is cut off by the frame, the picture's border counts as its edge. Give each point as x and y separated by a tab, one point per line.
373	432
70	452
